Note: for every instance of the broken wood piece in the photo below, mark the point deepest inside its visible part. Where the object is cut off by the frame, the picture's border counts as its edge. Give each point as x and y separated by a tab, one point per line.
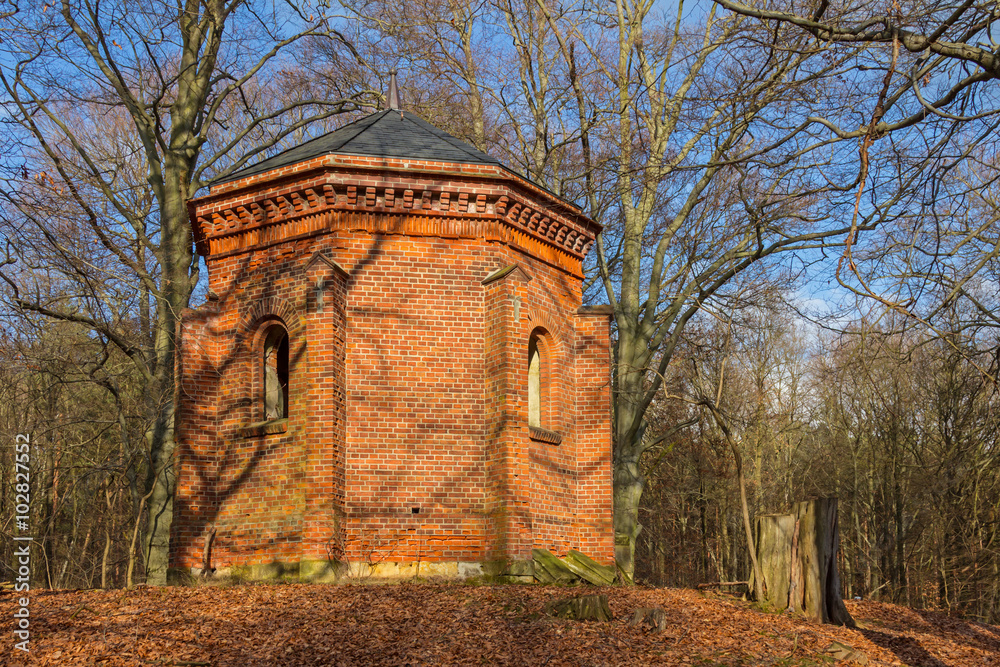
584	608
841	651
589	569
551	570
720	584
82	607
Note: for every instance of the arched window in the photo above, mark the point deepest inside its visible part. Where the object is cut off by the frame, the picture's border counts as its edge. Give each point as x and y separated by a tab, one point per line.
275	373
543	413
534	383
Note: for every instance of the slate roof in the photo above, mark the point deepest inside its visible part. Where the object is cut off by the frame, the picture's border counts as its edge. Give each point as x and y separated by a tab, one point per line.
382	134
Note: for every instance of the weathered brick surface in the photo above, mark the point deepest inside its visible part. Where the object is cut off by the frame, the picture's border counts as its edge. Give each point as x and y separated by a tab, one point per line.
407	436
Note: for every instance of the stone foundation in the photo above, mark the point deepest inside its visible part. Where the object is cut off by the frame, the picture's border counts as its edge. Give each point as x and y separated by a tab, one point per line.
318	571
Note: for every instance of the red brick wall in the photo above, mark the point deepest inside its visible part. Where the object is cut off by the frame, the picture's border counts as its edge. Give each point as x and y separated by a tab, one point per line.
593	432
407	436
197	403
326	285
416	409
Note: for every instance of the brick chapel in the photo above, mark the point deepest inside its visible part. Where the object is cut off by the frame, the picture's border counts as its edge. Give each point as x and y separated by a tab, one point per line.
392	372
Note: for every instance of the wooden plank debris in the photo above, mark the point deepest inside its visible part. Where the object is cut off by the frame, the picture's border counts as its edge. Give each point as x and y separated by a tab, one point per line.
551	570
589	569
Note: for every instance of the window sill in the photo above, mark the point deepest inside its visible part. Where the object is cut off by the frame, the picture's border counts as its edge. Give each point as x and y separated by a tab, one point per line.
542	435
270	427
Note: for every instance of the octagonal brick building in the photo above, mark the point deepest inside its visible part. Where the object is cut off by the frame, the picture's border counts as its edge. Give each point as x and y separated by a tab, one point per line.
392	372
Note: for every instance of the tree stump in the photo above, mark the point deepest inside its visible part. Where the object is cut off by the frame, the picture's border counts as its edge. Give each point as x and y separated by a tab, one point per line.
654	616
774	555
797	553
584	608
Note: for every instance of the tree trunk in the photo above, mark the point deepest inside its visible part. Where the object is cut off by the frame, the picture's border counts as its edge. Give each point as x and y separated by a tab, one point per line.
994	615
129	580
798	557
759	584
628	486
703	573
156	546
109	529
50	508
722	520
104	560
179	276
900	592
849	578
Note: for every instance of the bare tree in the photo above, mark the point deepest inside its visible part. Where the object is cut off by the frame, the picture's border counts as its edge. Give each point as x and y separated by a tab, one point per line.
938	64
708	183
192	81
962	32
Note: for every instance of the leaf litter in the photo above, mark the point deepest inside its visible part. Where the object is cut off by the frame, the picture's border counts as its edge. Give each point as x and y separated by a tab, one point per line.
456	624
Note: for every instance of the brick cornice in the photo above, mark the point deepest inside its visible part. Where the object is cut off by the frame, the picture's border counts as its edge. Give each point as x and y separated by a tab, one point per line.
476	201
394	167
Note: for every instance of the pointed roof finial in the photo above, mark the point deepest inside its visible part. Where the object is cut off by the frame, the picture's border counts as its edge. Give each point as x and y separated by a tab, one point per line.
393	91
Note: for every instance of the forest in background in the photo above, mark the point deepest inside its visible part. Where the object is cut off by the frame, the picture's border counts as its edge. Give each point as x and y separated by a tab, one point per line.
800	246
899	425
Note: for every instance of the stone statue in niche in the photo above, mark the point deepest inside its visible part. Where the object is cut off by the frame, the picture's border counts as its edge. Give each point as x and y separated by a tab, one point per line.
534	385
275	376
274	395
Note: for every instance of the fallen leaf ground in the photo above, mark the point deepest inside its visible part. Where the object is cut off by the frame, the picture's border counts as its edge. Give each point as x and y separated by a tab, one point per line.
454	624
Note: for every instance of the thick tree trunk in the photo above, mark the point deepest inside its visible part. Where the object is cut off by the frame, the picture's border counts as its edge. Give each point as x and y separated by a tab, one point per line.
628	486
797	553
159	483
161	503
179	276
